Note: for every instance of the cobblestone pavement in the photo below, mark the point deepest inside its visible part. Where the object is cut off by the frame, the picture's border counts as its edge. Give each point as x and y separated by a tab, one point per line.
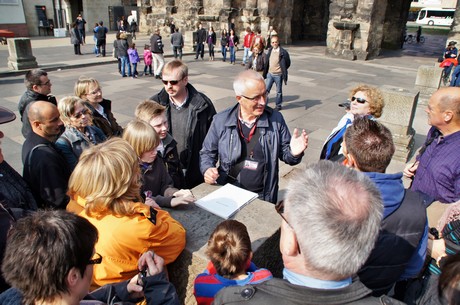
316	85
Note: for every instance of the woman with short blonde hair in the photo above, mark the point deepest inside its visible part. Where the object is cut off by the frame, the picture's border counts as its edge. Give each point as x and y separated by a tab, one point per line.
105	189
78	134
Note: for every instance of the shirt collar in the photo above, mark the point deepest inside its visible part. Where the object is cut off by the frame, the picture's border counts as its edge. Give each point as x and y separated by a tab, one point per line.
302	280
181	105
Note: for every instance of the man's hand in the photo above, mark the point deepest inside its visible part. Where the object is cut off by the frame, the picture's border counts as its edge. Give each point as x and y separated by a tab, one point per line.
150	202
182	200
410	169
183	193
299	142
211	175
151	262
135	291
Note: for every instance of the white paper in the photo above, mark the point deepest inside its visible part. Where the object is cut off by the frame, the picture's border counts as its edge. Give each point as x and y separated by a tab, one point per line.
226	201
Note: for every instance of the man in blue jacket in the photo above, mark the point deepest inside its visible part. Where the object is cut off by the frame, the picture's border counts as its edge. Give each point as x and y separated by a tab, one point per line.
248	139
400	250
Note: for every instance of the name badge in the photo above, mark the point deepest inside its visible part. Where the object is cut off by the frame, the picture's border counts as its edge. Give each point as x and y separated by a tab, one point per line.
251	165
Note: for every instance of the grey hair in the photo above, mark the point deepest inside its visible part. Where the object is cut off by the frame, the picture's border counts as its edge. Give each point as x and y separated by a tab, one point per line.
244	79
336	214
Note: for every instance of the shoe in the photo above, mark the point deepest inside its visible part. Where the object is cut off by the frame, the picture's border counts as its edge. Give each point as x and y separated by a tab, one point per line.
196	58
98	55
124	75
233	63
135	76
243	64
279	107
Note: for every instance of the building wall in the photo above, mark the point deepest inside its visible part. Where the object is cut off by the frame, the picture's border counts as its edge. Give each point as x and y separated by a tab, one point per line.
31	14
14	15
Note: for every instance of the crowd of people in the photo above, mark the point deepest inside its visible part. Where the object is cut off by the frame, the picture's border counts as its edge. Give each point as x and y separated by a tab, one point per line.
90	209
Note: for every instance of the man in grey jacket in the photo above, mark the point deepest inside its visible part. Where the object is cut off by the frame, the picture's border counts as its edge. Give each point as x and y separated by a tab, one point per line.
330	220
177	42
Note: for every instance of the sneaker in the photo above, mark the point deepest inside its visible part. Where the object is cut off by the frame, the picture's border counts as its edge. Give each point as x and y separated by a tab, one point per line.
97	55
134	76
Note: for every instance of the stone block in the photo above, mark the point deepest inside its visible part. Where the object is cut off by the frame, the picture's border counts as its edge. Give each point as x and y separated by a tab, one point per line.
398	116
428	79
262	223
21	57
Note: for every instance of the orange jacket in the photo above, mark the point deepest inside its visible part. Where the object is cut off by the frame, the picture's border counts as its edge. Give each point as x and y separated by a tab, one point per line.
122	240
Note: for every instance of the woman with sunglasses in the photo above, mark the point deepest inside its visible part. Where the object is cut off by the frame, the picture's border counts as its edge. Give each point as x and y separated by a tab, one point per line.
89	89
78	134
364	101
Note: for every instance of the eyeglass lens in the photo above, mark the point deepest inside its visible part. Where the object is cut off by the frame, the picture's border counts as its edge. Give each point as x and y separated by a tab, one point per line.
358	99
172	82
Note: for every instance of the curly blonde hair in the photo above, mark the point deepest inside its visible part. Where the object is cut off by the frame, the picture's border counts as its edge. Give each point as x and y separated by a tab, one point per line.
374	97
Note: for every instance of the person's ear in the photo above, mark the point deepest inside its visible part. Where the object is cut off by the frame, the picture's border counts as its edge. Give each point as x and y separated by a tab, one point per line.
288	241
351	161
35	87
73	277
35	124
447	115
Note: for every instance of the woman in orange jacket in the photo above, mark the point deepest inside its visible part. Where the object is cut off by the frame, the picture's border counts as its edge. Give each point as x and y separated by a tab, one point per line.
105	189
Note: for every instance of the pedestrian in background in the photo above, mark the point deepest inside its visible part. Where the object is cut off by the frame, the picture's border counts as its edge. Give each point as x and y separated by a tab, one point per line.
177	42
156	45
224	44
133	58
147	60
211	41
80	22
75	39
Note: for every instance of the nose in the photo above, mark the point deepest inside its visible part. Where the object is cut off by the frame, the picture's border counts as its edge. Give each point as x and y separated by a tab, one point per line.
60	123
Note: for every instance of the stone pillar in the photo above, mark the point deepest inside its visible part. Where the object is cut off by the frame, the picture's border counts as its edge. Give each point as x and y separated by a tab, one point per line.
341	46
398	116
21	56
454	33
428	81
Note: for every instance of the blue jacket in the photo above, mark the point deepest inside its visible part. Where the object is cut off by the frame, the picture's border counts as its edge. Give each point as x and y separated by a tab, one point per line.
285	63
400	249
223	143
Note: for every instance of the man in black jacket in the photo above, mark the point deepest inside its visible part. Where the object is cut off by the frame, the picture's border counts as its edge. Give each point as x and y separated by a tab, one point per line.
189	114
38	89
101	35
45	169
200	41
331	219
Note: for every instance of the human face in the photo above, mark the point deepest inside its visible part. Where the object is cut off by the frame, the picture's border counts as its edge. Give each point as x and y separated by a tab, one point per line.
80	117
149	156
255	50
160	124
358	108
44	87
50	126
434	113
275	42
177	89
94	94
253	100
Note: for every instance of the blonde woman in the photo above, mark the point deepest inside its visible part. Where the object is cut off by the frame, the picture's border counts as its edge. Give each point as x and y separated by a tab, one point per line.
78	134
157	185
105	189
89	89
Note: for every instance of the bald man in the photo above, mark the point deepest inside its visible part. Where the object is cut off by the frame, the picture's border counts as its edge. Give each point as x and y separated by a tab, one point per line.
45	169
436	171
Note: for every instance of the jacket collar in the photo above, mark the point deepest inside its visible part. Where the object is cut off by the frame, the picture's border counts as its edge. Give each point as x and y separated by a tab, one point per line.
233	117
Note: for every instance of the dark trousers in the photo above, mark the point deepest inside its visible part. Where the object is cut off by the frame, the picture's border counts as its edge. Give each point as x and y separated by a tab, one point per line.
177	52
76	49
101	45
199	50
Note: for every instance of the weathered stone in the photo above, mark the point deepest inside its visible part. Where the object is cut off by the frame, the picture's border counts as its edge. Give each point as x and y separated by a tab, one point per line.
262	223
21	57
398	116
428	79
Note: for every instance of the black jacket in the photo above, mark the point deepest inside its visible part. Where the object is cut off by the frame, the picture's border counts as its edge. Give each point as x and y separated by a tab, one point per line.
285	63
156	44
171	160
278	291
108	126
46	171
28	97
201	110
201	36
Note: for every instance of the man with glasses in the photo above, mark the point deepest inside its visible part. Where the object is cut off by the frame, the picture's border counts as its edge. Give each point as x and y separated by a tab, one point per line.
45	168
276	70
189	115
331	219
49	259
38	89
248	139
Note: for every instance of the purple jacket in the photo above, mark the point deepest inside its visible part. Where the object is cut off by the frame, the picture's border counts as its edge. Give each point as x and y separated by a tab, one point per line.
133	56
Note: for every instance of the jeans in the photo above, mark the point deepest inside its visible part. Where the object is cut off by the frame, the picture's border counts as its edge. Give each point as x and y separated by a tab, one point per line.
158	63
82	34
224	52
135	68
232	54
101	45
148	67
177	52
96	51
455	79
278	80
247	54
124	62
199	50
211	50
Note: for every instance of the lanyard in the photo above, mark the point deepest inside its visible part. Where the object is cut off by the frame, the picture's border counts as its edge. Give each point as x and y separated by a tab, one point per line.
251	132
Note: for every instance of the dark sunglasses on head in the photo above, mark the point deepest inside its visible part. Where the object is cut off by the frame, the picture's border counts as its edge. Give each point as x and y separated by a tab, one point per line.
358	99
81	113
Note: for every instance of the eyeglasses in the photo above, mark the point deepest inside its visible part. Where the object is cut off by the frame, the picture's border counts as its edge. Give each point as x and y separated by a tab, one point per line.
255	98
358	99
81	113
46	84
96	91
279	207
172	82
275	41
96	260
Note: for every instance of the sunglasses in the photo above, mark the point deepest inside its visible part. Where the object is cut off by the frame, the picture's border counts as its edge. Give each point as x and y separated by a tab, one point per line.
279	207
96	260
81	113
172	82
358	99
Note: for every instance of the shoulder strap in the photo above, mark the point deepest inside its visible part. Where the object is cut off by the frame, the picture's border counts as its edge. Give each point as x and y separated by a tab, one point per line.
29	158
